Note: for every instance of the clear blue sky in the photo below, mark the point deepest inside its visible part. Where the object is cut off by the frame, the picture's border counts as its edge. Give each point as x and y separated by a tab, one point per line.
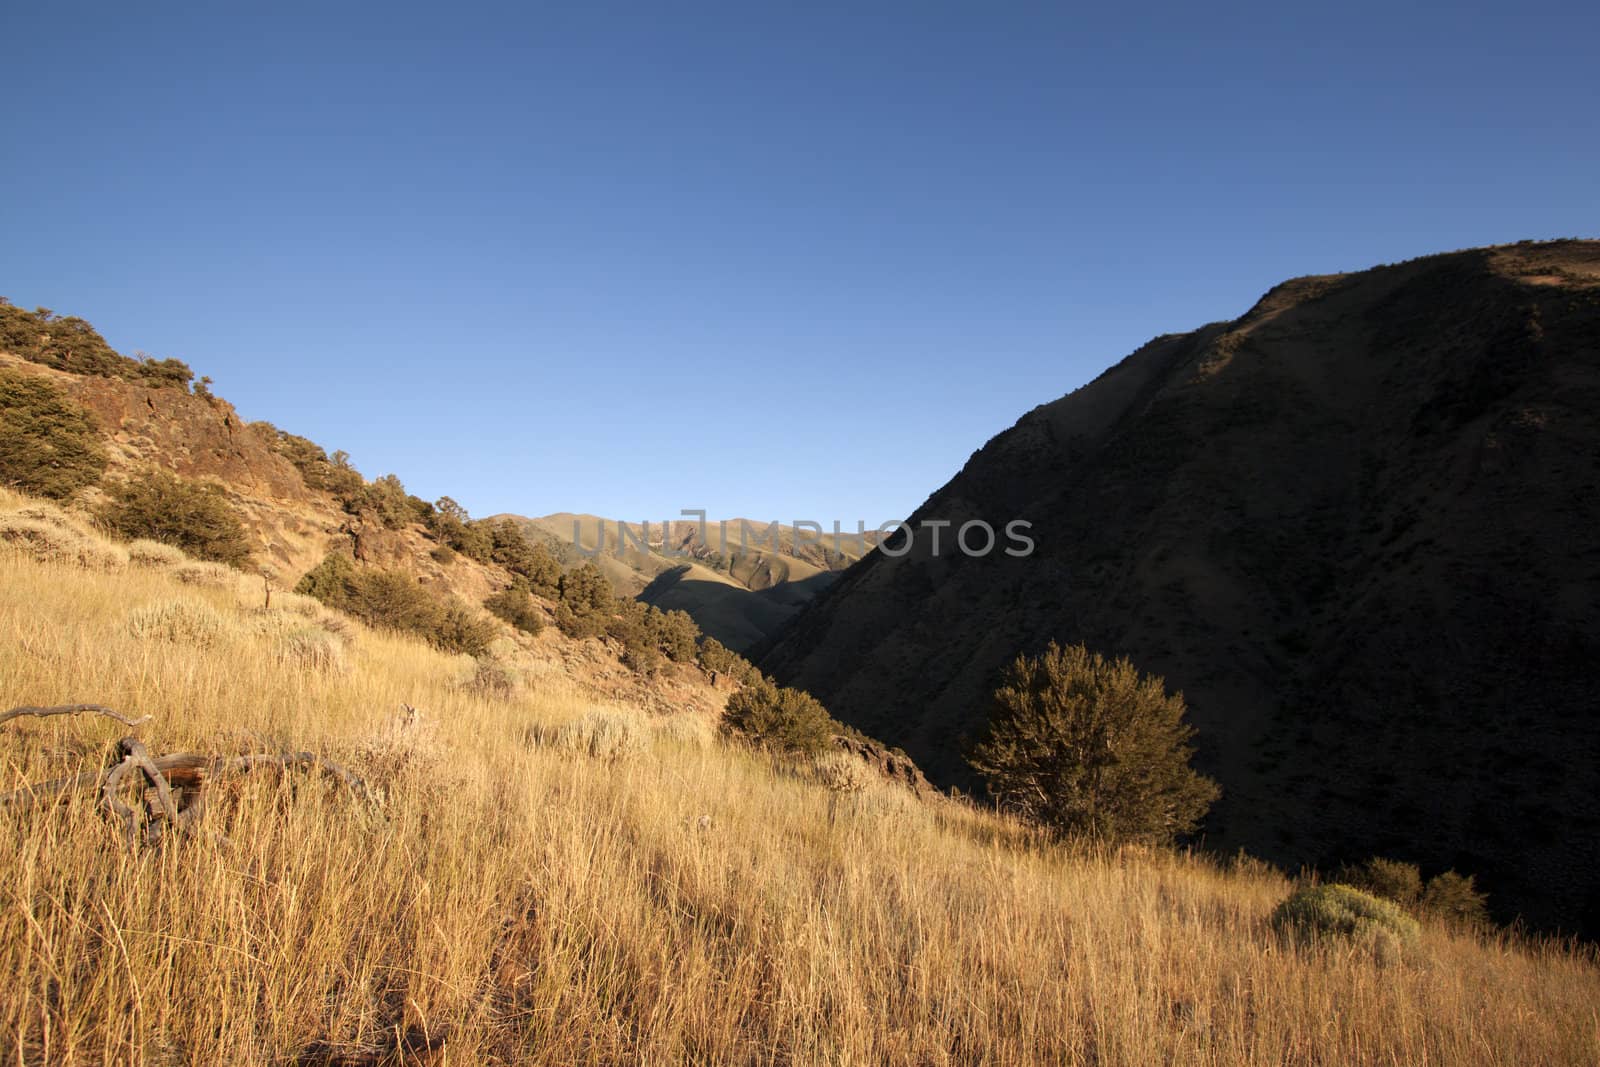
792	264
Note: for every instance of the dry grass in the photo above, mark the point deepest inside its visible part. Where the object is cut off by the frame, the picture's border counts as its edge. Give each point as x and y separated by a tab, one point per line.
685	905
842	772
182	621
494	679
310	648
603	733
50	535
208	575
154	554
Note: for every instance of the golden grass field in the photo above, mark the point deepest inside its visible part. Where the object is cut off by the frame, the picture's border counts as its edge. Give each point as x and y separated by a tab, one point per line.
688	902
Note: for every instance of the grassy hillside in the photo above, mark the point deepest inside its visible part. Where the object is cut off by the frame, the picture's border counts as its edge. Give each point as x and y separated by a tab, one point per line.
527	901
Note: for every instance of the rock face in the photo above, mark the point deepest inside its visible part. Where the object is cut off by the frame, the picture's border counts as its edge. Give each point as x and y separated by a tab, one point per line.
892	766
1358	527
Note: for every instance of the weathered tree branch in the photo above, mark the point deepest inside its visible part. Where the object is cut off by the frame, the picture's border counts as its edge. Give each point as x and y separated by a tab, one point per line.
70	709
141	758
114	803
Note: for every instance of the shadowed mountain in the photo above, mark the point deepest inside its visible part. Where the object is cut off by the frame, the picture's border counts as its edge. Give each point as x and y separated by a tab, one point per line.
734	615
1358	527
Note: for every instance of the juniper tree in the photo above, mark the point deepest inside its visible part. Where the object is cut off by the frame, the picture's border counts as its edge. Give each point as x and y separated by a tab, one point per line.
1090	747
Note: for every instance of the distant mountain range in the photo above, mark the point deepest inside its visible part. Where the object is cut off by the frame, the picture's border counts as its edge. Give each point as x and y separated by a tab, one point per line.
741	579
1358	527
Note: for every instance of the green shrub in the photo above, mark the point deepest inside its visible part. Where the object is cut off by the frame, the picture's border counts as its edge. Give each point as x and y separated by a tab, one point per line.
163	374
1450	897
510	547
317	469
516	606
1320	911
648	633
575	625
451	525
49	446
330	581
779	718
542	570
627	623
1089	746
719	659
1454	899
1389	879
386	500
715	656
460	629
392	599
641	659
193	516
586	602
395	600
586	590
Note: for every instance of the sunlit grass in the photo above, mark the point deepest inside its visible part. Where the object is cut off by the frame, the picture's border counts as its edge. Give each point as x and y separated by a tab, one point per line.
686	903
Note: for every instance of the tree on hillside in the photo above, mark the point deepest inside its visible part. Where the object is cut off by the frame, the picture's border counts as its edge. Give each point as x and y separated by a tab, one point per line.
516	606
193	516
585	602
452	526
68	343
779	718
393	599
676	634
1089	746
511	549
48	444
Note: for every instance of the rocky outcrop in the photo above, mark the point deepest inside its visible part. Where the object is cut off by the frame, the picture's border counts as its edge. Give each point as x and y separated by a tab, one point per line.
893	765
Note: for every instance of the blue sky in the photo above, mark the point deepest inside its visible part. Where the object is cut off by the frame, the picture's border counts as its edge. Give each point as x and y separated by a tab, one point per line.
789	262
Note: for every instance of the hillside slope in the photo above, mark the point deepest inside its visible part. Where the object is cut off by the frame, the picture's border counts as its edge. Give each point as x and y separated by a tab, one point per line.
292	526
1358	527
543	876
298	505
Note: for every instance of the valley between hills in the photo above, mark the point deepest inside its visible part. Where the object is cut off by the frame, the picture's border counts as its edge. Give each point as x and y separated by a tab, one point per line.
424	787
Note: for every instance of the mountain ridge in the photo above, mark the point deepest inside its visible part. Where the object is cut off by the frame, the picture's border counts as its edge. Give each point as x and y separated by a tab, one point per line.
1362	506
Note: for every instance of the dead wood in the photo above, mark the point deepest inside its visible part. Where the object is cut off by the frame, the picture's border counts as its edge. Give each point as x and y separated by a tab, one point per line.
173	786
70	709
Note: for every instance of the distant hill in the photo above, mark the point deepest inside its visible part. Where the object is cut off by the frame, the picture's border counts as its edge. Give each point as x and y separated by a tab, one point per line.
737	591
1359	528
